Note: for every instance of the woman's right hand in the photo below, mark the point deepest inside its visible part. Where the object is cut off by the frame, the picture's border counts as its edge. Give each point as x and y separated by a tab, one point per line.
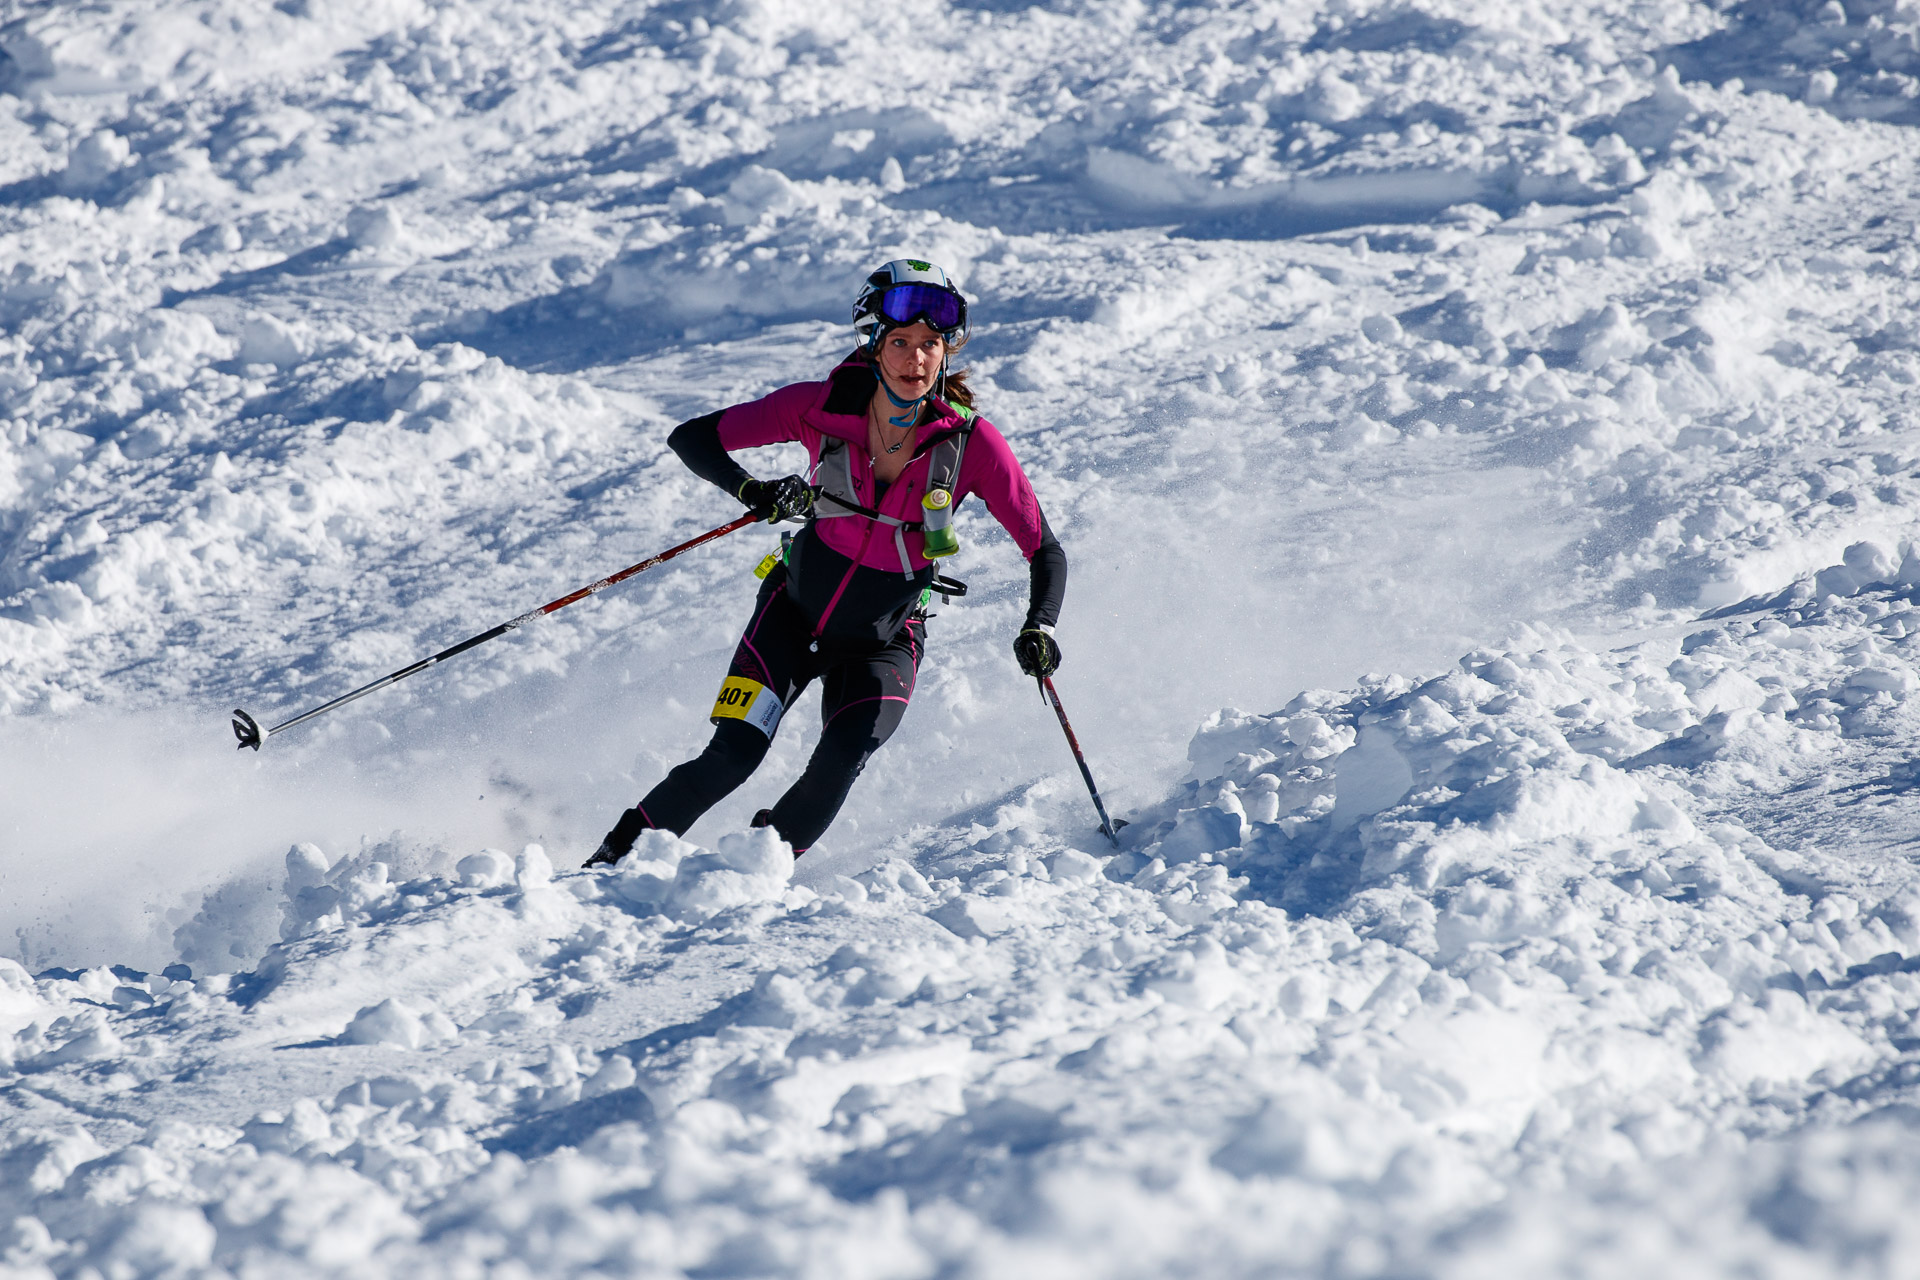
788	498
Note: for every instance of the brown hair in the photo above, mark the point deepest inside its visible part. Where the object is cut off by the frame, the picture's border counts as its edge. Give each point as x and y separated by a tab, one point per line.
954	389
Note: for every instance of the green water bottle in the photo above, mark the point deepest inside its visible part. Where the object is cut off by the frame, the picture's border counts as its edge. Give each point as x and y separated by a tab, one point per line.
936	526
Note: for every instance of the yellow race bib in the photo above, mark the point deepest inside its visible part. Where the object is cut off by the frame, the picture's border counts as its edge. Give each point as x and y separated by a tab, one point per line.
749	700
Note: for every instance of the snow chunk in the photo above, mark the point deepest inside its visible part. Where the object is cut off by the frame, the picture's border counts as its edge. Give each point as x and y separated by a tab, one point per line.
893	879
93	160
1075	867
375	228
265	339
749	867
487	869
1197	976
1480	1068
1196	832
1778	1040
91	1038
1861	565
808	1094
1371	776
19	1000
533	869
156	1238
395	1022
972	917
1603	335
1326	1138
759	193
39	1161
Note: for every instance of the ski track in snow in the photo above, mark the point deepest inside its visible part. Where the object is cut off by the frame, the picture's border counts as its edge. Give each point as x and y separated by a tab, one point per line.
1341	340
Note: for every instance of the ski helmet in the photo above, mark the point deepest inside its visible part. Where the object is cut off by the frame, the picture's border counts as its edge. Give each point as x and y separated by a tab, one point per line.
904	291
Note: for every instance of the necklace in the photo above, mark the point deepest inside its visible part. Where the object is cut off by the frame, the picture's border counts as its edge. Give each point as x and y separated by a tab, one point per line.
874	421
906	420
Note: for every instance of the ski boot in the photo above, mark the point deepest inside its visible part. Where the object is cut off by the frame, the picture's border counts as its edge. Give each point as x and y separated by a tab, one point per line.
619	841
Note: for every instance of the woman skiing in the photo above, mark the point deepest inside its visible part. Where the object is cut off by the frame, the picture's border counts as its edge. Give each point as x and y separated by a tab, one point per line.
893	447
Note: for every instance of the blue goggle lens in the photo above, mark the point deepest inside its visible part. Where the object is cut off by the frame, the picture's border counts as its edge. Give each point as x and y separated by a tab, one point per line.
942	309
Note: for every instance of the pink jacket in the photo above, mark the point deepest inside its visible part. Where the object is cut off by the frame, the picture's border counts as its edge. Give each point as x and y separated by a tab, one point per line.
988	469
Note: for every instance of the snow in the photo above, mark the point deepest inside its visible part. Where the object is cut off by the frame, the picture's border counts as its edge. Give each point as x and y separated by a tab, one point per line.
1481	433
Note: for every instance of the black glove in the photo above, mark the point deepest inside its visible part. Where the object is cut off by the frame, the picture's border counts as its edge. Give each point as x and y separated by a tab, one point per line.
619	841
1036	652
788	498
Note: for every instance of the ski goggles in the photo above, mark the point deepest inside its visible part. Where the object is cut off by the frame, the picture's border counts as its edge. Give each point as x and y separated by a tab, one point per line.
942	310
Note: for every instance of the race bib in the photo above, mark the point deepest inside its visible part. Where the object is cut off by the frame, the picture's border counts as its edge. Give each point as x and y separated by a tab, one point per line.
749	700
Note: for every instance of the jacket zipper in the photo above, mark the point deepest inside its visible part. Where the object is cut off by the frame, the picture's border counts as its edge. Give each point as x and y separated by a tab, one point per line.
820	627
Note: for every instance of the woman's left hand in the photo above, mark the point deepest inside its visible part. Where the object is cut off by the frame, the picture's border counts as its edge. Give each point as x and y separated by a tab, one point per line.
1037	652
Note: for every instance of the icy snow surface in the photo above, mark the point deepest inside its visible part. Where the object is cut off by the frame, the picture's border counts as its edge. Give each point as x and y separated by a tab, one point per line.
1340	339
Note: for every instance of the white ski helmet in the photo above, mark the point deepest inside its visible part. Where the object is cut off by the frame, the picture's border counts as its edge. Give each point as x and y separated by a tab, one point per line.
904	291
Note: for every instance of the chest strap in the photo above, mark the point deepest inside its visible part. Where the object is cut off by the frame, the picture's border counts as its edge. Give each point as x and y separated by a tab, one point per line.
833	480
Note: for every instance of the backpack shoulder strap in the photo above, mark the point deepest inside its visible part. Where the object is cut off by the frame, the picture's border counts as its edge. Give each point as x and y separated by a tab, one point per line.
943	463
833	480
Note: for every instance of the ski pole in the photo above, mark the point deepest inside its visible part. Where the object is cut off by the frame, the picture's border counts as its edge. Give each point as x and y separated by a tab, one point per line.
1107	827
248	730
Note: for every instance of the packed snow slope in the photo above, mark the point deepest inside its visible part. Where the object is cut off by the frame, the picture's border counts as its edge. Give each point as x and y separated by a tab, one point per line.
1341	340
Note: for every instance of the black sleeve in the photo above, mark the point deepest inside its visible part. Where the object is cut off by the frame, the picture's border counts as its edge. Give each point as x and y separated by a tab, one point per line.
1047	573
697	441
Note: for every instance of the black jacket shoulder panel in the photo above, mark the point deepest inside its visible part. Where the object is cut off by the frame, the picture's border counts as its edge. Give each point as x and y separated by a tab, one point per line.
849	388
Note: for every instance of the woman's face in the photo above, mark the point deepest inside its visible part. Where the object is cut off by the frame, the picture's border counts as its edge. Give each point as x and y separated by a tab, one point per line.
910	359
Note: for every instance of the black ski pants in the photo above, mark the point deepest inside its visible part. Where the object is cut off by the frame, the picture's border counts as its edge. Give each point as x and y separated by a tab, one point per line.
864	691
